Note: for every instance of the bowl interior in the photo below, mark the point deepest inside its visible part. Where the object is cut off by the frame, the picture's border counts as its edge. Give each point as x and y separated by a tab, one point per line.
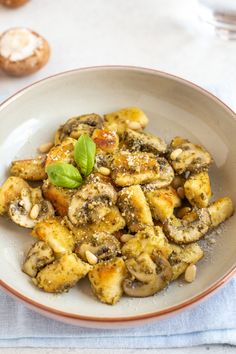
174	107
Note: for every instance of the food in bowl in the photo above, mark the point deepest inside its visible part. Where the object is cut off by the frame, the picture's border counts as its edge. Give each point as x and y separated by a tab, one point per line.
115	204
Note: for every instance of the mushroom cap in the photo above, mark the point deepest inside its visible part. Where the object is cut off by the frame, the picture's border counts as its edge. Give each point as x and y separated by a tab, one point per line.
76	126
39	255
22	51
182	232
92	202
186	156
13	3
103	245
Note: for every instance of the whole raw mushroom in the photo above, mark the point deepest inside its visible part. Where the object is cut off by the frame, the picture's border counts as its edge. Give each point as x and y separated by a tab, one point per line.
13	3
22	51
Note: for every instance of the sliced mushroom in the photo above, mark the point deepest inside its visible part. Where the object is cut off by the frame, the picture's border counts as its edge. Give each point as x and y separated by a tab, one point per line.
139	141
112	222
166	176
39	255
103	245
182	256
92	202
76	126
186	156
10	191
148	275
30	208
181	231
103	159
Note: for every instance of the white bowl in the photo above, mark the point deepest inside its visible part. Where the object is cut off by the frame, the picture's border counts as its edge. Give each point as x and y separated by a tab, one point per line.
174	107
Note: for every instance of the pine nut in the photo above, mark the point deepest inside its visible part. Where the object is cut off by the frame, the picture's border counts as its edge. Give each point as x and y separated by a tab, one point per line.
134	125
183	211
180	192
91	258
212	241
175	154
44	148
34	211
190	216
75	134
126	237
104	171
190	273
178	181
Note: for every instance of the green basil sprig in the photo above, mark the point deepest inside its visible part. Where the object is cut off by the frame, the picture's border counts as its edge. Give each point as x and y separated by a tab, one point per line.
84	154
63	174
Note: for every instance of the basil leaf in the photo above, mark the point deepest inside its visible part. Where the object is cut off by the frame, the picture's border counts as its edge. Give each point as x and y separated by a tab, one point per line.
63	174
84	154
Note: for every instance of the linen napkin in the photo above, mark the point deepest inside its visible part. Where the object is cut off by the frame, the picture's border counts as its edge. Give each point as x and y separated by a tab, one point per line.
210	322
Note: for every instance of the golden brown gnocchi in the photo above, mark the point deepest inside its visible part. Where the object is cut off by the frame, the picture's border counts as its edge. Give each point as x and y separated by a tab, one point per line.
62	274
55	234
134	208
106	279
29	170
131	117
162	202
197	189
220	210
134	168
10	191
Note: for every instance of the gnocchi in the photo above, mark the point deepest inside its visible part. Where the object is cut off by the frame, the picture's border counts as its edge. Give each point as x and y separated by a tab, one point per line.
131	215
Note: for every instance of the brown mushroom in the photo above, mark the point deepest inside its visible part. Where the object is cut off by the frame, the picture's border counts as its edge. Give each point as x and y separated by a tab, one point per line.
139	141
76	126
186	156
30	208
181	231
13	3
103	245
22	51
39	255
92	202
148	275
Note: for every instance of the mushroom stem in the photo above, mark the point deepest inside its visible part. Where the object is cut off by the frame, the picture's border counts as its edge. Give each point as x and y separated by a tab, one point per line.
148	275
